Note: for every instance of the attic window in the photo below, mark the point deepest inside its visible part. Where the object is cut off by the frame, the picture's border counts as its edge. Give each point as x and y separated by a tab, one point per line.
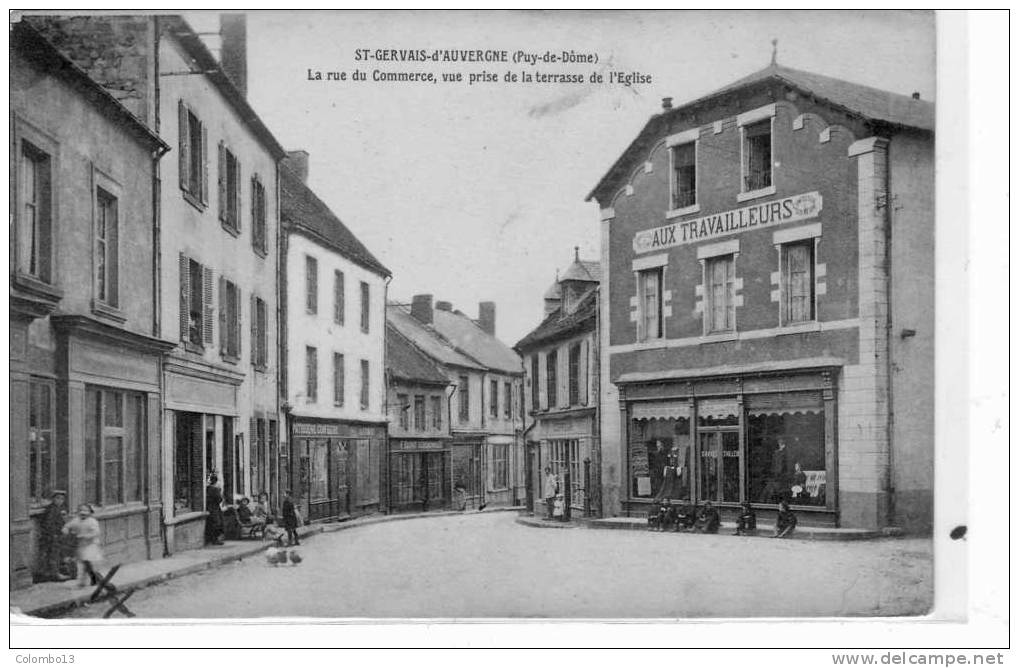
757	156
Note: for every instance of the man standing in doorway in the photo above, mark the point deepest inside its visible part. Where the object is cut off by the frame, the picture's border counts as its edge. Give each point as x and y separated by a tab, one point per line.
551	488
777	482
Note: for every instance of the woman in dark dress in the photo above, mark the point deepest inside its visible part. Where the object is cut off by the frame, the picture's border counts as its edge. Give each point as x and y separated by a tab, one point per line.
51	538
213	506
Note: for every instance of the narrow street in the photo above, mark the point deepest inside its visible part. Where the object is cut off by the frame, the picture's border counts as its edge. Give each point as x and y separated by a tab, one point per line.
486	565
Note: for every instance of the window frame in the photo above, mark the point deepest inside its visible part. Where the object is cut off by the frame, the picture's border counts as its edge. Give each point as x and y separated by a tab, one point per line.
552	378
311	284
39	497
365	307
230	320
436	402
493	400
339	297
229	178
746	121
507	399
193	156
365	385
106	287
463	389
259	334
104	432
535	382
658	273
500	466
259	233
44	149
339	378
676	205
729	293
403	410
573	374
420	413
311	374
785	281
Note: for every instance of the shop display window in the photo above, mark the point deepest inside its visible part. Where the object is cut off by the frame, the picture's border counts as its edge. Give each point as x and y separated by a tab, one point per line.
787	457
660	458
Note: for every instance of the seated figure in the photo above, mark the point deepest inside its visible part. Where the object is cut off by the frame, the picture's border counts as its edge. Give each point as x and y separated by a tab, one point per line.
746	523
666	515
708	520
686	517
785	523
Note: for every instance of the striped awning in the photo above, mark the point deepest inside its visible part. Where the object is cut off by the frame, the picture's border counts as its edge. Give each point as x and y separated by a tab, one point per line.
784	403
717	408
660	410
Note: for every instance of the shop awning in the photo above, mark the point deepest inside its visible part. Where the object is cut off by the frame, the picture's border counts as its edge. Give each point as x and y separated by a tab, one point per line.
660	410
717	408
784	403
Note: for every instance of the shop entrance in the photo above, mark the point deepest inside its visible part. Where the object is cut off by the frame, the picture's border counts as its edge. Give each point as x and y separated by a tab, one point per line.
324	491
468	471
721	464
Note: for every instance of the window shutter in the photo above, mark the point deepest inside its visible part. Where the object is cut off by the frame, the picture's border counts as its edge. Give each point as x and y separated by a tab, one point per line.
542	380
563	378
236	194
185	297
582	373
254	214
222	314
207	298
237	324
221	182
184	145
205	165
254	330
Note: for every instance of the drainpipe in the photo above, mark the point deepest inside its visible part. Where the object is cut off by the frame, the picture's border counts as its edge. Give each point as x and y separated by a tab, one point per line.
386	461
889	366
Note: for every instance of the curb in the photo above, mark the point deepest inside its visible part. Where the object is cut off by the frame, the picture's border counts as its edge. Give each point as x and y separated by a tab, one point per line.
545	524
76	599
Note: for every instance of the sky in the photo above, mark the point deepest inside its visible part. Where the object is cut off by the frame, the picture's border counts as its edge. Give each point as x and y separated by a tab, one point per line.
477	192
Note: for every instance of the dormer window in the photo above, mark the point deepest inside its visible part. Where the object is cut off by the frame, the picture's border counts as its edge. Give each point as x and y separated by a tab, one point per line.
684	175
756	149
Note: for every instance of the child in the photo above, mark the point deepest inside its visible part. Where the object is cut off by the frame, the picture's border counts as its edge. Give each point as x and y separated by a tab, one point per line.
746	523
51	539
244	511
85	530
786	521
290	519
708	519
686	517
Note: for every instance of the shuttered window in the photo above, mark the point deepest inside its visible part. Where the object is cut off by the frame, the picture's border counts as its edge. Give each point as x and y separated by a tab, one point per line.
419	412
311	373
551	377
365	386
193	163
464	390
436	412
196	308
507	400
339	305
311	283
229	319
365	307
535	386
574	370
403	410
258	232
757	156
650	300
259	334
229	180
107	262
493	400
798	282
338	379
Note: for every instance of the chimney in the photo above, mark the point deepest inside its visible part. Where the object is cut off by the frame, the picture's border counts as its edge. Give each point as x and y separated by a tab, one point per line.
916	95
666	103
486	317
297	162
444	306
421	308
233	54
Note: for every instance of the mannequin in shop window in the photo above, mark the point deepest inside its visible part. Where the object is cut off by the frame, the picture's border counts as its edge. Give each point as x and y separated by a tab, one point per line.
672	475
798	490
657	458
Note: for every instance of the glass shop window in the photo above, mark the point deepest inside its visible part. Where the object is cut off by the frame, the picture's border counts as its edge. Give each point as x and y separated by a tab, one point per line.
786	455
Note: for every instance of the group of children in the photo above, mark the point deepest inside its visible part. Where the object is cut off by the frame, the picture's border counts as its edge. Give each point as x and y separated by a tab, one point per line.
688	517
81	530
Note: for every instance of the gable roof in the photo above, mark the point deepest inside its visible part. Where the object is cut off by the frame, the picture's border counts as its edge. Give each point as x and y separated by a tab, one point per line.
426	339
555	328
29	42
583	270
302	208
466	336
872	104
405	362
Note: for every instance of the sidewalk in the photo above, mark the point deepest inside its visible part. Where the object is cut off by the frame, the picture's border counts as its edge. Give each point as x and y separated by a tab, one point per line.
640	524
49	599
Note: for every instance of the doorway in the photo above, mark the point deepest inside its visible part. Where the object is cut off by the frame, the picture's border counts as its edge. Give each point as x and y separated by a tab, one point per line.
721	465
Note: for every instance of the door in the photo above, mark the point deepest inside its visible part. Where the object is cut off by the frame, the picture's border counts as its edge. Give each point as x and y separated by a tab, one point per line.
721	460
339	490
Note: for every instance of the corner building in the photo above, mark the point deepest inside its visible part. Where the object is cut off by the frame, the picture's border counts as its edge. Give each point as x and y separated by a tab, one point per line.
768	301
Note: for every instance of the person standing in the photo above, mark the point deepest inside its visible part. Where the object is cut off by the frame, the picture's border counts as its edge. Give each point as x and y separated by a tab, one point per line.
85	530
549	491
289	517
777	485
51	538
214	508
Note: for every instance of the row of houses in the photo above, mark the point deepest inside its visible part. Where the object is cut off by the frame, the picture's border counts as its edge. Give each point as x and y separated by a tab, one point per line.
762	315
182	306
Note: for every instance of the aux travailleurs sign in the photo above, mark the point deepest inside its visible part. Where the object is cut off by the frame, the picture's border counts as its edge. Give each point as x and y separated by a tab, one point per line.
785	210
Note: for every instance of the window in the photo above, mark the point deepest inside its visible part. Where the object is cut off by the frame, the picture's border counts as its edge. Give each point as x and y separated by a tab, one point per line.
785	446
114	446
311	373
684	175
41	447
507	400
500	466
650	300
35	226
195	303
436	412
311	283
106	235
419	413
338	379
365	307
365	386
464	390
797	282
338	300
192	155
259	334
229	319
575	374
188	463
493	400
720	311
258	232
535	387
551	379
403	410
229	189
757	155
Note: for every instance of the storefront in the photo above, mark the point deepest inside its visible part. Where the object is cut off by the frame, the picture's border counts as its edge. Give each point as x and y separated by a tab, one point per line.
759	438
419	474
468	469
334	467
568	446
